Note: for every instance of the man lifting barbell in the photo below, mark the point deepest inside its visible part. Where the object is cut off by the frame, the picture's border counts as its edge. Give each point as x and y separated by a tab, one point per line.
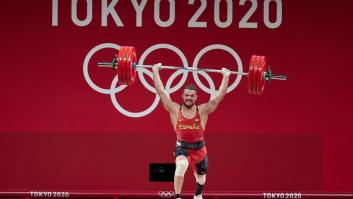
189	122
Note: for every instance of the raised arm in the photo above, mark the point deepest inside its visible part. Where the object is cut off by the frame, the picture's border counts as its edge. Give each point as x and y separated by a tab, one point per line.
168	104
212	104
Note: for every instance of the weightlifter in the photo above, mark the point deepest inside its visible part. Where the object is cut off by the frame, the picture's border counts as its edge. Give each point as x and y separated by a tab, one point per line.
189	122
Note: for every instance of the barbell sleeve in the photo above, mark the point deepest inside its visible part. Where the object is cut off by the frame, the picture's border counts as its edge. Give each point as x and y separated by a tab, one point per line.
105	64
277	77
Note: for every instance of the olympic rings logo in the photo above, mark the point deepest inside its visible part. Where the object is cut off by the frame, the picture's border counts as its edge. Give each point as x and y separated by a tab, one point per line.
165	194
143	71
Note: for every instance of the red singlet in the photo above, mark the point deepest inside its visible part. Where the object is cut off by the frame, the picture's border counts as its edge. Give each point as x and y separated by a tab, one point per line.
190	130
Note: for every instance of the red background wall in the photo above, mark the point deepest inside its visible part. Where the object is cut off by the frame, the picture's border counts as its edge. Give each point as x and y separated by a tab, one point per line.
56	132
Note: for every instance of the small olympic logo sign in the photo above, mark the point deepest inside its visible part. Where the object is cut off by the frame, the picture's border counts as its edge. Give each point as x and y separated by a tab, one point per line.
165	194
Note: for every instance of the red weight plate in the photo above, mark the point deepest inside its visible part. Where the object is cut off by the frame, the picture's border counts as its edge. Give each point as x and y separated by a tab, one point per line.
255	75
134	61
265	70
118	64
251	74
259	75
128	65
124	64
131	60
263	65
120	59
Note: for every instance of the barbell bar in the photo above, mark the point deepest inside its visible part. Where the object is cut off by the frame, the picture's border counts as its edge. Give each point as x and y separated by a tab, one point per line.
273	76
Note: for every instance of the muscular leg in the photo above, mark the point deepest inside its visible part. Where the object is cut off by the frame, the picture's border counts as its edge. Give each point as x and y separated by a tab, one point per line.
182	164
200	176
200	182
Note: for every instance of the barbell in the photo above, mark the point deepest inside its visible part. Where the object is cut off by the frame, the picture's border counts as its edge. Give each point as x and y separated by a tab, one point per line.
124	63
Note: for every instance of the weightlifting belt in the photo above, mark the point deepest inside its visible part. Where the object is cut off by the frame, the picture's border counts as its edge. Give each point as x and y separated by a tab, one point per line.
193	146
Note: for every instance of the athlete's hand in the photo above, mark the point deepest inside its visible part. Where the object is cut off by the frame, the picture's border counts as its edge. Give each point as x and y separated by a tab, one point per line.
157	66
225	72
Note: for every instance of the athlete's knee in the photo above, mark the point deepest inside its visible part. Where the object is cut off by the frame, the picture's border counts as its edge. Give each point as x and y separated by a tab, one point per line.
181	166
200	179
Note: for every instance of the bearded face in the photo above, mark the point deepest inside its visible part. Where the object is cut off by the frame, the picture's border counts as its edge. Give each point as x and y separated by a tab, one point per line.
189	98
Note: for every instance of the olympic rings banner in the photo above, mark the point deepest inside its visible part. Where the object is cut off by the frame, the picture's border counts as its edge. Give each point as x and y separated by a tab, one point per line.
51	83
114	89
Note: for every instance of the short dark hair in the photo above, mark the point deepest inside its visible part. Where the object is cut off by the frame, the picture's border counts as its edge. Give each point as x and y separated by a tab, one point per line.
190	87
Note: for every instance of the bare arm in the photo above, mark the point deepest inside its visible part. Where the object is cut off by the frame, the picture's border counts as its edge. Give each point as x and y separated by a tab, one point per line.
168	104
212	104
